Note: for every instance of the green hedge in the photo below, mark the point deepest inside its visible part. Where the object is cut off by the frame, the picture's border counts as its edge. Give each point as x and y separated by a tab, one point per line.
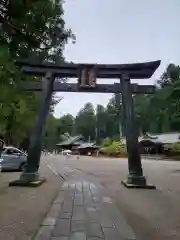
106	142
172	149
114	149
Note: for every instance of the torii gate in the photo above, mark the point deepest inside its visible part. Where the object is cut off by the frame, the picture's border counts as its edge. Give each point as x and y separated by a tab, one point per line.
87	75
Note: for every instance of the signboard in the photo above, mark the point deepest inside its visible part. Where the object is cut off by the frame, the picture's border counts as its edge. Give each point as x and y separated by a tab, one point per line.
87	77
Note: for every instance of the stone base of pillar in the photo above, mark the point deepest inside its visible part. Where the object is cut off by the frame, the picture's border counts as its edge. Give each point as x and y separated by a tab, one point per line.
137	182
28	180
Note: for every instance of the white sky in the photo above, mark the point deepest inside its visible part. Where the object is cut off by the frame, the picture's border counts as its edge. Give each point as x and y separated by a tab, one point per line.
120	31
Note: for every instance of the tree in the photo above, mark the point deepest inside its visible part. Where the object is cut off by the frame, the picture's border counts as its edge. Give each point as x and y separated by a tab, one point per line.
85	122
51	137
101	121
57	129
170	75
141	102
114	117
65	125
160	112
43	38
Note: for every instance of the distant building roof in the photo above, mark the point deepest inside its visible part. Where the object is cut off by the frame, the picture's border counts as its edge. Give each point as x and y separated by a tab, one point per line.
88	145
164	138
76	140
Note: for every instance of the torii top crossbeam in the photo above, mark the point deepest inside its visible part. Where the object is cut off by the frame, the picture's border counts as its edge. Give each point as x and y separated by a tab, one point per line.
72	70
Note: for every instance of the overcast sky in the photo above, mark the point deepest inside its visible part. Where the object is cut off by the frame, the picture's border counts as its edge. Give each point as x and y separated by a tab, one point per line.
120	31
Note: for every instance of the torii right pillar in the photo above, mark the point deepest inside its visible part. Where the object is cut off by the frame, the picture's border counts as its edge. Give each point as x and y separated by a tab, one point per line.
135	179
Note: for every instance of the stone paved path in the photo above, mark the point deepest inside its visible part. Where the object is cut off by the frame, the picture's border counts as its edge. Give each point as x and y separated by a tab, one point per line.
82	211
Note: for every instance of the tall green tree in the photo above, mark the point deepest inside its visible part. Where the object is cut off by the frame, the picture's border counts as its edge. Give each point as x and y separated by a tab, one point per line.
100	123
65	125
114	117
85	122
43	38
160	112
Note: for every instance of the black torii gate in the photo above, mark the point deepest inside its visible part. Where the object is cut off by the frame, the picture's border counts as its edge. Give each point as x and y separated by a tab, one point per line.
87	75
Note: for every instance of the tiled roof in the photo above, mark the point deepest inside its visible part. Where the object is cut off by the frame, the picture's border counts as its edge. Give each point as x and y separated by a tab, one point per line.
77	140
87	145
164	138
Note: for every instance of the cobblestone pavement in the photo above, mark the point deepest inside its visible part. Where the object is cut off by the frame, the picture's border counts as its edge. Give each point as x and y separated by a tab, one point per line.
82	211
152	214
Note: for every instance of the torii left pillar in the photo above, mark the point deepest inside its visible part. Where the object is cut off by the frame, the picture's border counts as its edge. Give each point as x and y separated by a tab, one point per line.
30	175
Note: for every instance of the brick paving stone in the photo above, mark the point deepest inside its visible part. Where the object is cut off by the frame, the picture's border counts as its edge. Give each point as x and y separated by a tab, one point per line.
84	211
88	200
86	190
78	236
65	215
87	193
94	230
67	205
60	238
78	199
111	233
68	199
96	238
69	193
77	209
78	226
93	189
44	233
85	185
52	215
106	222
78	213
92	214
79	187
62	228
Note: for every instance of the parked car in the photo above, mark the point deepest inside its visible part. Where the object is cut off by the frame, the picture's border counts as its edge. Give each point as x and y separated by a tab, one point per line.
12	159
